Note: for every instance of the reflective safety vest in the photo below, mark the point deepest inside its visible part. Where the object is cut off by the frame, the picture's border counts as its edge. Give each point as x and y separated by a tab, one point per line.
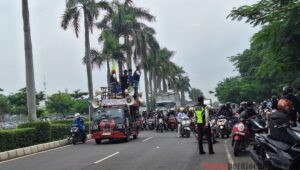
200	114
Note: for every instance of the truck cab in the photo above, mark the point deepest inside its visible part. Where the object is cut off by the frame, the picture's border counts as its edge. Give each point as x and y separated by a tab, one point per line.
116	119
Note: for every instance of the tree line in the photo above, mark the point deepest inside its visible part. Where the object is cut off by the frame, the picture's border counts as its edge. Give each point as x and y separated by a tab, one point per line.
60	104
273	59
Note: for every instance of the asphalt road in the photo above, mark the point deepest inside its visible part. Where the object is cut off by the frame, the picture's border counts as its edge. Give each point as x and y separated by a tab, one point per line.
163	151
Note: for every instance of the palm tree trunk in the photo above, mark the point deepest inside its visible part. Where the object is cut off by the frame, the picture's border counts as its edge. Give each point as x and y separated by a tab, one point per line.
88	61
150	83
159	84
30	84
165	87
182	98
108	73
129	53
120	66
147	90
155	82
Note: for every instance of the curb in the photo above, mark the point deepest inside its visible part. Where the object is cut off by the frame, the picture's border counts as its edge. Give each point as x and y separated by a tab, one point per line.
11	154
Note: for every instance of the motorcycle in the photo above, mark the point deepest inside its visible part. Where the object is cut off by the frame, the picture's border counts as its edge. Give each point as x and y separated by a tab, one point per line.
241	134
214	130
172	123
272	154
160	125
185	129
150	124
223	126
144	124
76	135
240	137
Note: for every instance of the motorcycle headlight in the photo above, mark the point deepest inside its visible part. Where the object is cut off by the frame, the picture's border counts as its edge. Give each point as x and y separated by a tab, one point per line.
241	127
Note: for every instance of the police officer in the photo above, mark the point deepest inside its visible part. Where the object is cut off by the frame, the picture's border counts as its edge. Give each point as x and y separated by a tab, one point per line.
202	120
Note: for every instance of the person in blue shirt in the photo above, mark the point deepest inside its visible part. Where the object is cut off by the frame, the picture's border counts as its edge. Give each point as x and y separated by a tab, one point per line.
79	121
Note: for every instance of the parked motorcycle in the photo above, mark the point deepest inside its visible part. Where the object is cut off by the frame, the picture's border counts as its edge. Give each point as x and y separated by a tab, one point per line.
185	129
151	124
272	154
76	135
172	122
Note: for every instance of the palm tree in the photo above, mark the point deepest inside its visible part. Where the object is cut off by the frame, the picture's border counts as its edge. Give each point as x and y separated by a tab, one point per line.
145	42
122	22
30	84
90	9
183	85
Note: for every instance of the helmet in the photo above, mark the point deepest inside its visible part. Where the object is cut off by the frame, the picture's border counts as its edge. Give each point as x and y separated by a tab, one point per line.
77	115
287	90
249	104
181	109
285	105
191	109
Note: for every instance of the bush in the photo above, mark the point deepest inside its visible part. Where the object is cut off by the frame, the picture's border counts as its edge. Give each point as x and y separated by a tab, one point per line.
17	138
59	131
42	133
67	122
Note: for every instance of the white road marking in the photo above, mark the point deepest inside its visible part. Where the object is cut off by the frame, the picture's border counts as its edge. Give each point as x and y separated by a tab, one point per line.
106	157
157	147
34	154
228	153
147	139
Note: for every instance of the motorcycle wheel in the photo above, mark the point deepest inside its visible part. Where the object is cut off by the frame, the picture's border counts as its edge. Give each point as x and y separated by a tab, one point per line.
74	140
236	148
222	136
188	134
161	130
98	141
135	136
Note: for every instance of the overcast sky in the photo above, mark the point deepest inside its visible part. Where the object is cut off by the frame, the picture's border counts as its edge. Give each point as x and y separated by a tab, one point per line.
196	29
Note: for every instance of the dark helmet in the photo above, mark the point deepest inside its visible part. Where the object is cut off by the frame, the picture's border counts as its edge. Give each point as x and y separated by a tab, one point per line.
228	104
287	89
249	104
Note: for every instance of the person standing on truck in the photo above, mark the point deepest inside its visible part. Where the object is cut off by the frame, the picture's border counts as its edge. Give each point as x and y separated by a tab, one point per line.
136	78
202	121
124	82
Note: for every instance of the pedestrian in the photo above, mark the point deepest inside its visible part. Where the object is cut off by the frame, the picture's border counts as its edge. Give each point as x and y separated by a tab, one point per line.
124	82
202	120
136	78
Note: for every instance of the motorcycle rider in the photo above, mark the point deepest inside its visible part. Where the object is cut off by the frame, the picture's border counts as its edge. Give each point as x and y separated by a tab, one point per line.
202	120
288	94
279	118
158	116
249	111
179	118
229	112
80	122
243	106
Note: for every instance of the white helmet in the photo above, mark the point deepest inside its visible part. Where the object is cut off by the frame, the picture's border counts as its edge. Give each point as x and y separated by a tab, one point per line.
77	115
181	109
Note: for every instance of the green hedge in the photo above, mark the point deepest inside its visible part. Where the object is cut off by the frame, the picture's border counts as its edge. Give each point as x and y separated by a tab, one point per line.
29	134
68	122
59	131
42	133
17	138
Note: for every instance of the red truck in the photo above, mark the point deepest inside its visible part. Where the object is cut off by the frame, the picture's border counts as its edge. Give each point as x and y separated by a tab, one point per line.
116	119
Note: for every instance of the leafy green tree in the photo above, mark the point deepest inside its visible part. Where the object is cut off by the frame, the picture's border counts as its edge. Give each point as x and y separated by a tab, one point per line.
80	106
5	106
61	103
194	93
18	101
77	94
